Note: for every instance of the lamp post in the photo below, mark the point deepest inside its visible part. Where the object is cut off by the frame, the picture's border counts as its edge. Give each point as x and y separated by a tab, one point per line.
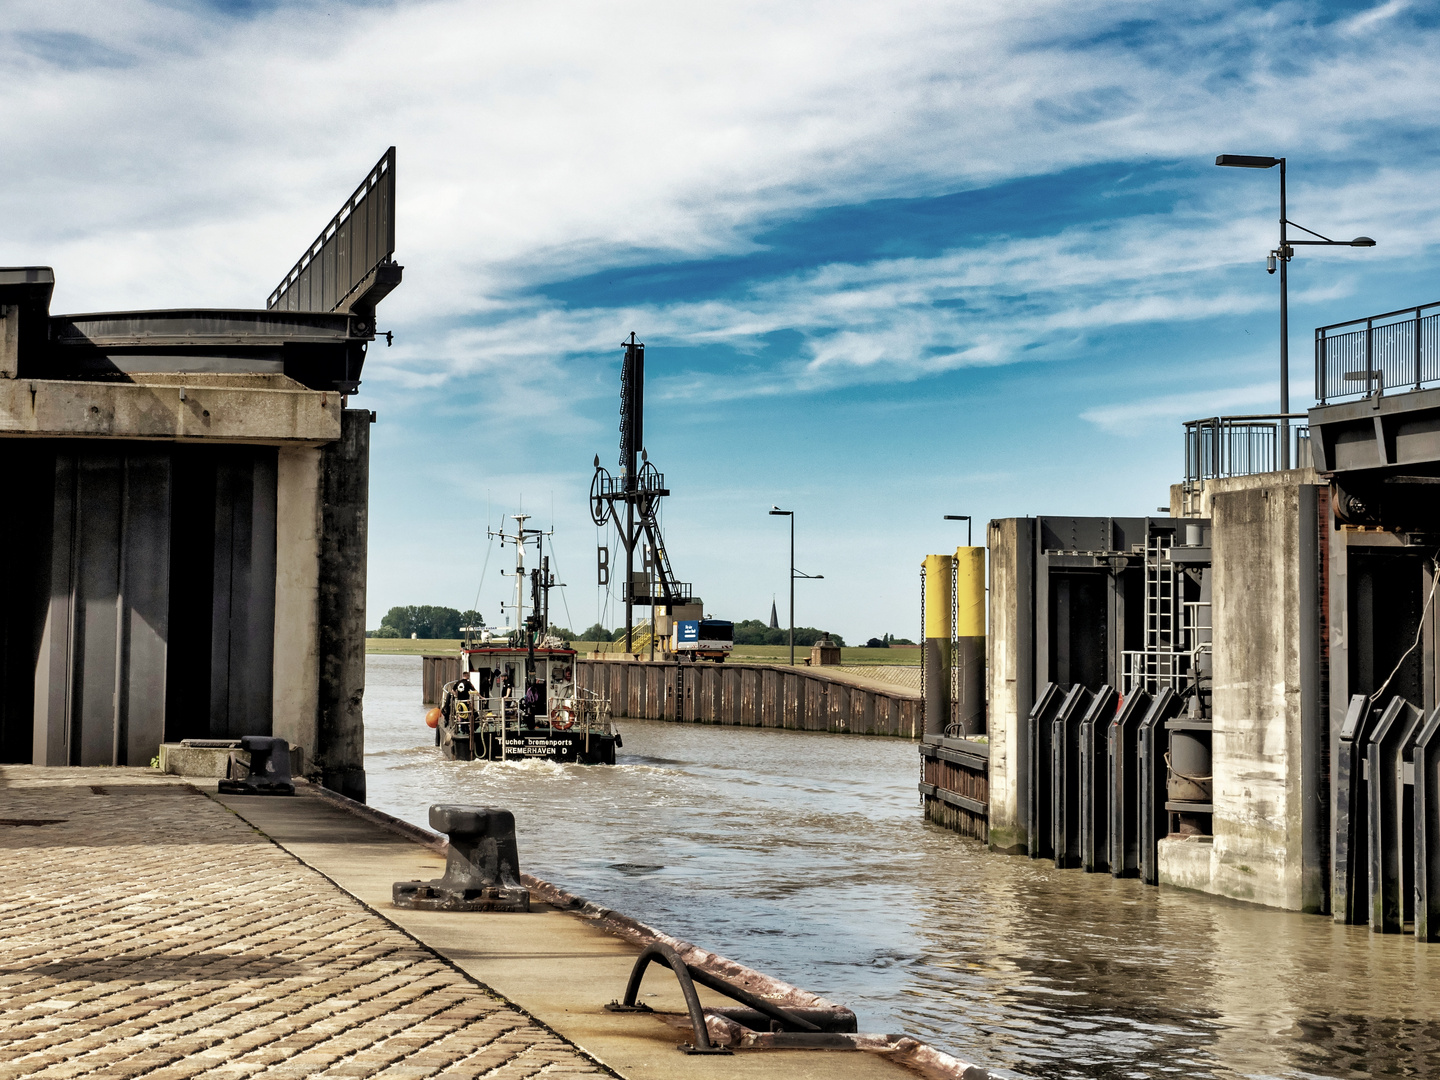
966	519
1283	254
775	511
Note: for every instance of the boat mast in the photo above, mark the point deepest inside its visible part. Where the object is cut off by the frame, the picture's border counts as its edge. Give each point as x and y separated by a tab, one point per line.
519	538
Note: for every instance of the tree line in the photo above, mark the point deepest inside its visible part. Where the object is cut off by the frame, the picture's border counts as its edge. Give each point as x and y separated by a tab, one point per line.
427	621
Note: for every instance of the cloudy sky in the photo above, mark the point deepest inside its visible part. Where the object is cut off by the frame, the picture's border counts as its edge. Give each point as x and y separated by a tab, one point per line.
890	260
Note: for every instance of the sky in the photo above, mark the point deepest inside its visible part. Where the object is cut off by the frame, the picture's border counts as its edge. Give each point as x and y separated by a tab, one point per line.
890	261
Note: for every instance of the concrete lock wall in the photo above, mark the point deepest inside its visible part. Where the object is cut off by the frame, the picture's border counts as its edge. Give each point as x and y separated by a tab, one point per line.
753	695
185	539
1009	676
166	584
1268	722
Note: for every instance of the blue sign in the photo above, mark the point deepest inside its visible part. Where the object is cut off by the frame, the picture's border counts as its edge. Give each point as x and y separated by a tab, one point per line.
687	630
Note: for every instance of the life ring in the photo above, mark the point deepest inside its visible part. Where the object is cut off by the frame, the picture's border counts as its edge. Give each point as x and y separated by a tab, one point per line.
561	719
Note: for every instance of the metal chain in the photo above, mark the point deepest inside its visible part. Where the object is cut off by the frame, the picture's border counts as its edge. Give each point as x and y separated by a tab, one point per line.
923	650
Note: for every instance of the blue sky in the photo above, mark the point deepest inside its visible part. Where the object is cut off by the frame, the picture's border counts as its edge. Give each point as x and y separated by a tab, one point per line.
890	261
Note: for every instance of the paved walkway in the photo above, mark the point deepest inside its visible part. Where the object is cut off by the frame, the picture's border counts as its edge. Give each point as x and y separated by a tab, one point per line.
907	675
147	931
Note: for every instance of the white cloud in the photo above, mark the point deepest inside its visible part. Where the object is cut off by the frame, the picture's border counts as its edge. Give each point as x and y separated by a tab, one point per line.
1359	24
186	158
896	319
540	138
1140	416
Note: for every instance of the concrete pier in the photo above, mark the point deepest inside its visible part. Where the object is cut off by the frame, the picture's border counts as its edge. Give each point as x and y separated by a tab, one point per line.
151	927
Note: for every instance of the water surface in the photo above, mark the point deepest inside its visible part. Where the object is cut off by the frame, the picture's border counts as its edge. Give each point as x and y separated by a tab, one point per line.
806	855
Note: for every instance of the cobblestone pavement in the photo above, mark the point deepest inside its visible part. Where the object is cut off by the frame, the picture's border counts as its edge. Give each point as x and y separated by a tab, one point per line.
147	931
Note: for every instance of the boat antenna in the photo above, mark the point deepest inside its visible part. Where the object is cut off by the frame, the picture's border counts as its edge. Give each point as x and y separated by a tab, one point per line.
483	567
563	598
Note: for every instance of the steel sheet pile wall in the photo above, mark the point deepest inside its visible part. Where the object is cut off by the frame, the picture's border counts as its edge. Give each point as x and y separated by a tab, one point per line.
435	672
750	695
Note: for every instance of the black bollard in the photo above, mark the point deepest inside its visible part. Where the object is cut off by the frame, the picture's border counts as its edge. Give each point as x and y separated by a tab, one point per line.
482	864
268	771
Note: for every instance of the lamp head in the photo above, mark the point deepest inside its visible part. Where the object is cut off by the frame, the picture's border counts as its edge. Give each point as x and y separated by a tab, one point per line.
775	511
1246	161
1362	241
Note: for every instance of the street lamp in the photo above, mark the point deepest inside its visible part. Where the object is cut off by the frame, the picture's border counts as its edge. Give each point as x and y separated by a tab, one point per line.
966	519
775	511
1283	254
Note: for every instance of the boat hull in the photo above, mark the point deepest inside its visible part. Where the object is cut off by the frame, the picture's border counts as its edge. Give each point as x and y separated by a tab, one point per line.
540	744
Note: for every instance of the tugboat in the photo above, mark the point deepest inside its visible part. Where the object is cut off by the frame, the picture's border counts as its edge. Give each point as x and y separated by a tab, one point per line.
519	700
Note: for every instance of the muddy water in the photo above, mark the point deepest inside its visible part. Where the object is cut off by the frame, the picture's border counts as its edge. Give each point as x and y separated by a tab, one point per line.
806	855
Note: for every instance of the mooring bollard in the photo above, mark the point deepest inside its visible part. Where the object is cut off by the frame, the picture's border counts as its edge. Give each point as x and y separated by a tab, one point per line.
482	864
268	771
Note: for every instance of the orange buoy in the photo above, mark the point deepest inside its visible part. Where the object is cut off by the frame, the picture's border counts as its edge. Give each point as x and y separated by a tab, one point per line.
432	718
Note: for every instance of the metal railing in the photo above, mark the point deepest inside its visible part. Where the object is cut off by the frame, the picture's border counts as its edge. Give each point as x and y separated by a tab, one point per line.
1399	350
357	240
647	482
1221	446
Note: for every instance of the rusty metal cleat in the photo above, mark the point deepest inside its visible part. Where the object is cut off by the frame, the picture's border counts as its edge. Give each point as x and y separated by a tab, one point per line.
268	770
482	864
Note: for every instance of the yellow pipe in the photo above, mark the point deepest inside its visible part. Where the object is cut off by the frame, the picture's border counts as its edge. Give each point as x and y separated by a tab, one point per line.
969	592
937	596
936	657
969	659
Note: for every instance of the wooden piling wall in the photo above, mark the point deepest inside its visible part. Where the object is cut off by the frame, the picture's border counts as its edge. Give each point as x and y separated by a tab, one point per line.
955	784
752	695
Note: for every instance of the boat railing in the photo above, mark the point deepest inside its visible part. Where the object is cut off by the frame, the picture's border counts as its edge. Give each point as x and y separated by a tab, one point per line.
473	714
592	711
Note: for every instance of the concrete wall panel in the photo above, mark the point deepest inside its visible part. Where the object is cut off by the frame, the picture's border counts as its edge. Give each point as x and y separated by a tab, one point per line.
45	408
99	493
295	693
1009	677
242	645
146	611
344	549
101	665
1261	814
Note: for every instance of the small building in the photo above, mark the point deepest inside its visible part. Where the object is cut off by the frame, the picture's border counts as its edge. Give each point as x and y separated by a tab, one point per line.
186	523
825	653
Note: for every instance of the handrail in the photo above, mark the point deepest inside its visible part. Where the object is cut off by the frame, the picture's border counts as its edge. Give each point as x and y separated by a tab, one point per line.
1376	356
1221	446
357	240
1386	315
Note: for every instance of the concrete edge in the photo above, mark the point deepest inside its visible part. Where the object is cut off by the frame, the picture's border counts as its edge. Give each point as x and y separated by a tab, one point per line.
916	1055
436	953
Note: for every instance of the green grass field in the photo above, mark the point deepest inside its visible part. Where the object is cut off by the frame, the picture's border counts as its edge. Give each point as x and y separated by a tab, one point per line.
406	647
763	654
